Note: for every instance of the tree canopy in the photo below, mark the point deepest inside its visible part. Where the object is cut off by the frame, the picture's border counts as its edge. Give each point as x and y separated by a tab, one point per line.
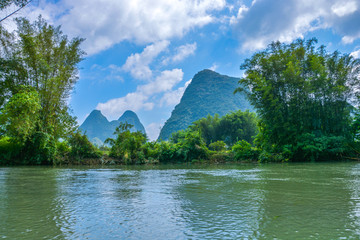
44	58
303	97
38	70
230	128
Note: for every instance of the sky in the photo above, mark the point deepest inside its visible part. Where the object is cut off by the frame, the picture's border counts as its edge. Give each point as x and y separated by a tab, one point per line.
142	54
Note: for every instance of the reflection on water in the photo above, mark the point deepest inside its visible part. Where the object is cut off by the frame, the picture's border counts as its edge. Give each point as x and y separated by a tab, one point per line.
283	201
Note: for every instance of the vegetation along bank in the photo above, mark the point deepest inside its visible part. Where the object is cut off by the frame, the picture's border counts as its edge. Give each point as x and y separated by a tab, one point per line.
305	98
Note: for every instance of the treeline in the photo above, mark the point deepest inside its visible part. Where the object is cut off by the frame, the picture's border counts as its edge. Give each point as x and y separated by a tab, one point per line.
306	100
38	70
211	138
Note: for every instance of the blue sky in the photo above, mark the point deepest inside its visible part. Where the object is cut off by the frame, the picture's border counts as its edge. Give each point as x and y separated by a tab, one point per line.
141	54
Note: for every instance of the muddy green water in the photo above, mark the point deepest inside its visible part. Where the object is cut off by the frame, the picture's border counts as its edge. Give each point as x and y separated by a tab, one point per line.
272	201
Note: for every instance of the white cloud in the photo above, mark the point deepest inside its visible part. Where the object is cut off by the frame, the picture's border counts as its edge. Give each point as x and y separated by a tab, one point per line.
145	97
105	23
344	8
214	67
182	52
153	130
164	82
264	21
138	64
356	54
173	97
132	101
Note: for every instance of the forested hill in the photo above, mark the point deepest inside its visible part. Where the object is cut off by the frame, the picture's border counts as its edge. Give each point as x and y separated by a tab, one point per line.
208	93
98	128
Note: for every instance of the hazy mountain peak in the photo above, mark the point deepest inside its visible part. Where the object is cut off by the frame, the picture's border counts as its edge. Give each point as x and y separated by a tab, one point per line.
97	127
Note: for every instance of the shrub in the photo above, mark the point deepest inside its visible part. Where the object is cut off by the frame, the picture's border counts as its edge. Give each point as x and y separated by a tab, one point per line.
243	150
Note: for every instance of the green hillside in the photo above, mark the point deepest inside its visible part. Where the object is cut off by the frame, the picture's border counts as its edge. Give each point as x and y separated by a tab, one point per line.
98	128
208	93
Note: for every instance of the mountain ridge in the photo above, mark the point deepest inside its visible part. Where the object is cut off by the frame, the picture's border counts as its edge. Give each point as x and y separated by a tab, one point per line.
208	93
97	127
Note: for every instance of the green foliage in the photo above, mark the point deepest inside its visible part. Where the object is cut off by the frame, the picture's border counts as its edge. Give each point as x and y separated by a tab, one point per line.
167	152
98	128
243	150
63	152
221	157
42	57
9	150
127	145
39	149
189	145
209	93
319	148
81	147
302	96
5	3
151	150
230	128
20	115
38	71
355	126
217	146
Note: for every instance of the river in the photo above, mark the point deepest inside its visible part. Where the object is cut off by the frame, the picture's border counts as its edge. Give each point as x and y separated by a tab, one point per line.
245	201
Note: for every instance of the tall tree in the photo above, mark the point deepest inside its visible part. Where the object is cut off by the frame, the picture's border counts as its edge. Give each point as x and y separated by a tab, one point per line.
44	58
230	128
301	94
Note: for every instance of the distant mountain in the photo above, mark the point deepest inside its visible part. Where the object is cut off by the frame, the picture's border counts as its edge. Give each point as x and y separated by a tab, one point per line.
98	128
208	93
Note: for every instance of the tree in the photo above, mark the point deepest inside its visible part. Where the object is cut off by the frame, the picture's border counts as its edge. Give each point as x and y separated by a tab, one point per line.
42	57
230	128
81	147
127	144
20	116
298	90
188	146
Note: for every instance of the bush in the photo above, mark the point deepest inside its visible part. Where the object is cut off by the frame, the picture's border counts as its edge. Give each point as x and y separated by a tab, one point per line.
190	145
9	151
243	150
217	146
81	147
221	157
310	147
39	149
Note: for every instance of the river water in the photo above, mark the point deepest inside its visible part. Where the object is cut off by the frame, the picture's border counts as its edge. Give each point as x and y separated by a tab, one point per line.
271	201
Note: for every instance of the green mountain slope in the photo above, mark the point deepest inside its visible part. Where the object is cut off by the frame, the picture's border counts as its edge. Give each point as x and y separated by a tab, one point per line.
208	93
98	128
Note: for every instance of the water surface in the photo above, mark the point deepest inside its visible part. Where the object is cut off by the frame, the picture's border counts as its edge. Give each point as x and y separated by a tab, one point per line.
283	201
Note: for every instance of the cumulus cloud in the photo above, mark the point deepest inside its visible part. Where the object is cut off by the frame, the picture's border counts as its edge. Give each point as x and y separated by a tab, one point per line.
174	97
356	54
344	8
134	101
153	130
145	97
181	53
138	64
290	19
164	82
214	67
107	22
